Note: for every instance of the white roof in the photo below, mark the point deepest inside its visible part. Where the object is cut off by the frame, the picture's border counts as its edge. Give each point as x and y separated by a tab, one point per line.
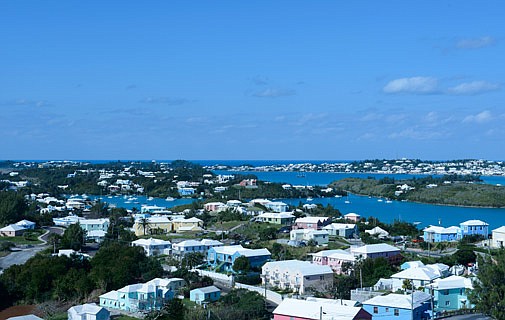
375	248
438	229
304	268
500	229
150	242
26	317
94	221
414	264
276	215
158	219
12	227
338	226
474	223
312	310
452	282
25	222
187	243
210	242
377	230
401	301
231	250
421	273
352	214
311	219
88	308
191	220
208	289
110	295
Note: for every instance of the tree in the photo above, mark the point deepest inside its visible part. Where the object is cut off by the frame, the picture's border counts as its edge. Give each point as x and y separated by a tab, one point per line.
192	259
144	224
488	294
268	233
73	238
465	256
241	264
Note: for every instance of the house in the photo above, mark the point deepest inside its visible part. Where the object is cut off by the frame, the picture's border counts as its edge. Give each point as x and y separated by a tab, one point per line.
184	225
420	277
354	217
377	251
277	206
318	309
25	317
498	237
333	258
411	264
316	223
440	234
187	191
88	311
12	230
319	237
474	227
152	225
450	293
209	243
345	230
299	276
148	296
66	221
213	206
94	224
154	247
378	232
27	224
205	294
187	246
416	306
280	218
223	258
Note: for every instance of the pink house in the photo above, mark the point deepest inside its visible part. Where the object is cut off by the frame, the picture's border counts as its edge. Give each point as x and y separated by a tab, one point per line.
319	309
333	258
354	217
316	223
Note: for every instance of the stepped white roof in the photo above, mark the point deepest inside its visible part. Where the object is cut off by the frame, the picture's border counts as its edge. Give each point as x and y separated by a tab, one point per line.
12	227
500	229
421	273
400	301
231	250
88	308
150	242
452	282
308	309
311	219
375	248
474	223
304	268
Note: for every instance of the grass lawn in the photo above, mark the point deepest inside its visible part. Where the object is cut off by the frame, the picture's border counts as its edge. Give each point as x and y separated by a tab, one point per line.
226	225
123	317
4	253
19	240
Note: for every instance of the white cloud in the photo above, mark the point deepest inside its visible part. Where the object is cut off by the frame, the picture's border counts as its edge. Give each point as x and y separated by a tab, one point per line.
483	117
416	85
475	43
165	100
274	93
474	87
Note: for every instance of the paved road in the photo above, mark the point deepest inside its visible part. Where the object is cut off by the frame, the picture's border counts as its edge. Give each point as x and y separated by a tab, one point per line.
20	257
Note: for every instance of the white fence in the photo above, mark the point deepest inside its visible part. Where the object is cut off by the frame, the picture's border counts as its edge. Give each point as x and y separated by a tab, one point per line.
271	296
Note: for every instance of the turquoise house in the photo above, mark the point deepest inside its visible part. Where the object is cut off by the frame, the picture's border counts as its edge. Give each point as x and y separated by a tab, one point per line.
476	227
223	258
451	293
206	294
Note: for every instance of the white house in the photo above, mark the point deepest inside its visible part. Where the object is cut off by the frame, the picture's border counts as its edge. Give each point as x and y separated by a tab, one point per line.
154	247
318	236
187	246
27	224
319	309
88	311
420	277
498	239
277	206
345	230
378	232
297	275
379	250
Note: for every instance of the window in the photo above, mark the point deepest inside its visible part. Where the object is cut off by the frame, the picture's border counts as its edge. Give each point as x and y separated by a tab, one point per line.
447	303
375	309
387	309
397	312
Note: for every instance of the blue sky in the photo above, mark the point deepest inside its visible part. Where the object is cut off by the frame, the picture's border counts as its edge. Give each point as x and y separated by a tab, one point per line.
252	79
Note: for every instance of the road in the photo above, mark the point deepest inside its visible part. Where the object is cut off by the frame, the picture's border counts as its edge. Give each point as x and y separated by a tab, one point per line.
21	255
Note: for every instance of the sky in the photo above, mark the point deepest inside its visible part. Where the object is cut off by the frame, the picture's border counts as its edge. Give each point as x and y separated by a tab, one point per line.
323	80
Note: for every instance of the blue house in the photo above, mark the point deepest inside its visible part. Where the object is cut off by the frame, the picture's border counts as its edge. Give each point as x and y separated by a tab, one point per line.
206	294
400	306
223	258
186	191
441	234
450	293
472	227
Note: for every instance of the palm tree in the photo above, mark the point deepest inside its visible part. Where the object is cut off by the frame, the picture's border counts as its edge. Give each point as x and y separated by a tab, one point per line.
144	223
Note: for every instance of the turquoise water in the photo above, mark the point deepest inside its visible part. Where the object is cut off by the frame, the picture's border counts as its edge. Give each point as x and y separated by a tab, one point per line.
407	211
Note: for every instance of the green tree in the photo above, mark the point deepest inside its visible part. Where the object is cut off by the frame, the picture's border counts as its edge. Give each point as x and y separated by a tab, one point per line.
192	259
241	264
268	233
13	207
465	256
143	223
488	294
73	238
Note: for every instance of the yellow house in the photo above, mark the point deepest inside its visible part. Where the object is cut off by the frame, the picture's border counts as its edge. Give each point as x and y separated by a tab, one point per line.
191	224
152	225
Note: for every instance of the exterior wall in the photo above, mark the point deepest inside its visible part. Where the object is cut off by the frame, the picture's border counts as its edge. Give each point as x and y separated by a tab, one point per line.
391	256
198	296
12	233
498	240
450	299
164	227
397	313
470	230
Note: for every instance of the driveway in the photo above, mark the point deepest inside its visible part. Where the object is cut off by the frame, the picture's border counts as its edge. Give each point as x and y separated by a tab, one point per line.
20	256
